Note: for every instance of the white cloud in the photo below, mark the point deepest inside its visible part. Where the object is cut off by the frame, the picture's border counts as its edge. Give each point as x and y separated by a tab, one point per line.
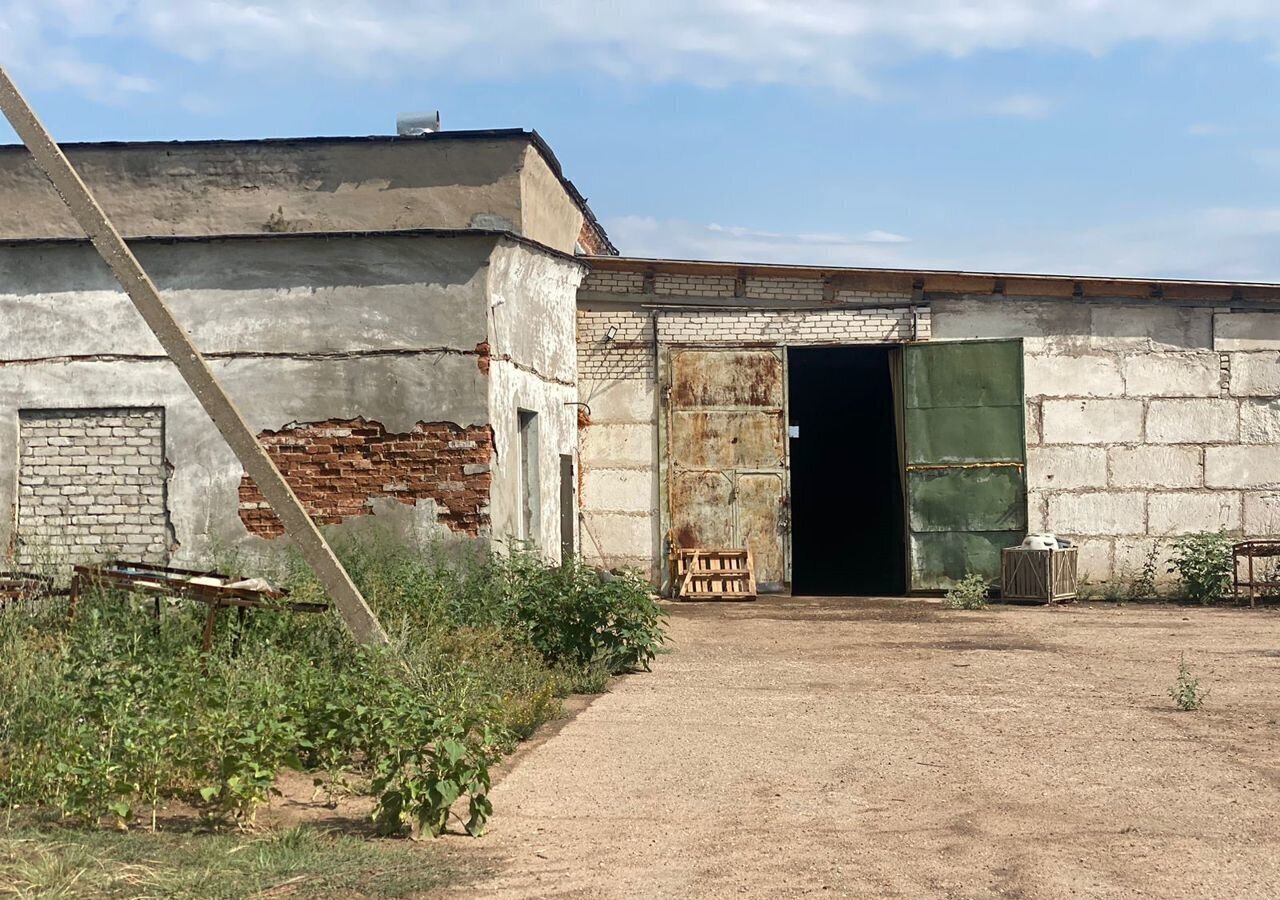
37	45
1266	158
1022	106
1228	243
874	236
1206	129
838	44
647	236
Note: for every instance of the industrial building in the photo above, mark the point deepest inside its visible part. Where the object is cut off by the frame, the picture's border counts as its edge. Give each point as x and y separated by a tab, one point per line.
435	333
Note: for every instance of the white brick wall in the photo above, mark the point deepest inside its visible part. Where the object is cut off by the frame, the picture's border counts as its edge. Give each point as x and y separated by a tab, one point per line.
628	356
694	285
614	282
808	290
91	484
801	327
782	290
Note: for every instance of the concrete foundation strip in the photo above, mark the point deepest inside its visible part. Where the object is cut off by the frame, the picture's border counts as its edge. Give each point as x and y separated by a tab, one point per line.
192	366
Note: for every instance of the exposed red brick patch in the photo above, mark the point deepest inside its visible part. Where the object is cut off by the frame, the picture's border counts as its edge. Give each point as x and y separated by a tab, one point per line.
337	467
483	355
592	240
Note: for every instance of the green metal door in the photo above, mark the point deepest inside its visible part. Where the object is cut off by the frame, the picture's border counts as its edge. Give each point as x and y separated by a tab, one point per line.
963	430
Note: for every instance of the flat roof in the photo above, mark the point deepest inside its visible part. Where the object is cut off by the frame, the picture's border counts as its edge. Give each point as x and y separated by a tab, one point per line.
952	280
530	136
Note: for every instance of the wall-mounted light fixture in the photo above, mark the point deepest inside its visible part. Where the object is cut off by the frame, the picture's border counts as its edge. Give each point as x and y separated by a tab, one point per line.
611	333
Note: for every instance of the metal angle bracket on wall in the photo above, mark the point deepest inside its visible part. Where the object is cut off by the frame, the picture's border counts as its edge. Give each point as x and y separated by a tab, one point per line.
191	365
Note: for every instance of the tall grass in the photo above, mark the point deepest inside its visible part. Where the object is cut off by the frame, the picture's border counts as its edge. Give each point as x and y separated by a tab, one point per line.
111	715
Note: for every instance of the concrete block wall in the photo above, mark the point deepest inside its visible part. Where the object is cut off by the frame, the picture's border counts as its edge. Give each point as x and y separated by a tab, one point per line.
617	439
1144	422
91	485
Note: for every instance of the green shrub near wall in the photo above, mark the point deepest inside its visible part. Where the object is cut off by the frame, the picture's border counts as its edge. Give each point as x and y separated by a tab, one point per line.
1203	562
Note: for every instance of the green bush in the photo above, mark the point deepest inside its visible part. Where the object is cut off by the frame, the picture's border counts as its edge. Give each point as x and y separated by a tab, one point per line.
1203	563
113	713
574	616
968	593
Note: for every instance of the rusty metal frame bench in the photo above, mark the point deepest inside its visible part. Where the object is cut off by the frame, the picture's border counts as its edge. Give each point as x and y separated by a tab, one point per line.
17	586
1253	581
161	581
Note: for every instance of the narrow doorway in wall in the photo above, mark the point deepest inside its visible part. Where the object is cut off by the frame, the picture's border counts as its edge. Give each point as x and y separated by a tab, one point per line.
530	491
848	535
568	507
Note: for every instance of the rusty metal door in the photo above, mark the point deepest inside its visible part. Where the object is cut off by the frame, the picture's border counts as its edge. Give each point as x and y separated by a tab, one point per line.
726	454
963	417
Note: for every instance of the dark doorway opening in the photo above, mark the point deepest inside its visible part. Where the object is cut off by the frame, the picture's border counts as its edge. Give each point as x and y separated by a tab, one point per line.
846	488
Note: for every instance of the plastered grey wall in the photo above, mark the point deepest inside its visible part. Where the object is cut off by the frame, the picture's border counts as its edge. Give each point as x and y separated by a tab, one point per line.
297	329
1143	421
533	366
547	213
296	186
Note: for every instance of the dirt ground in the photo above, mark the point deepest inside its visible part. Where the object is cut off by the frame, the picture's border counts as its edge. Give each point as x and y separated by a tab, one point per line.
894	749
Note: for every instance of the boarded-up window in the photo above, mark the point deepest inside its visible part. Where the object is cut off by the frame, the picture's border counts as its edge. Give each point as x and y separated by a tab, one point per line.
91	484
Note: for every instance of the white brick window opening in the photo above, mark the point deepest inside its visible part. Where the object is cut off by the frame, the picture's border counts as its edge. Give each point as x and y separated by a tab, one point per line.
91	485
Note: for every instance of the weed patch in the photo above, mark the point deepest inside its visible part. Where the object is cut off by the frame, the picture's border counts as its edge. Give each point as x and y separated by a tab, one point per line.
300	862
115	713
1186	691
969	593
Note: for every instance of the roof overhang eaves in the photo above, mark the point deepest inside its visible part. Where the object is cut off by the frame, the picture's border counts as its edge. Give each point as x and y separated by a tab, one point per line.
439	233
946	281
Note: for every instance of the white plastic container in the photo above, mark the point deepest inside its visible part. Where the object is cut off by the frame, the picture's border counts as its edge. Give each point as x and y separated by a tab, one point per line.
1041	542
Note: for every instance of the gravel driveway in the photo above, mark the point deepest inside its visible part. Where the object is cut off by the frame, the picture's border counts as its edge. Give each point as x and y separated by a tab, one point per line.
854	748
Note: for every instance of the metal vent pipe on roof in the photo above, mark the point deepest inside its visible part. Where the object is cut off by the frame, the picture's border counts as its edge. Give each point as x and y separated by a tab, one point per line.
417	124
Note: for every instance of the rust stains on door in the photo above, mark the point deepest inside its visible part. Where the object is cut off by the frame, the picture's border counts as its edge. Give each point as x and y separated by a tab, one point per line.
726	454
726	378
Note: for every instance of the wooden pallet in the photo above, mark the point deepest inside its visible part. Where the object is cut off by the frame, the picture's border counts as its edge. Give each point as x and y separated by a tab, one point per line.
706	574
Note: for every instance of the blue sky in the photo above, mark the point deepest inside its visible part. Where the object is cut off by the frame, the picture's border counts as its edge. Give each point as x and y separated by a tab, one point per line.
1130	137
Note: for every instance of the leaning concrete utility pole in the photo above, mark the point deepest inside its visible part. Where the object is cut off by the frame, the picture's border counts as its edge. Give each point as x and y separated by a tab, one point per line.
195	371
